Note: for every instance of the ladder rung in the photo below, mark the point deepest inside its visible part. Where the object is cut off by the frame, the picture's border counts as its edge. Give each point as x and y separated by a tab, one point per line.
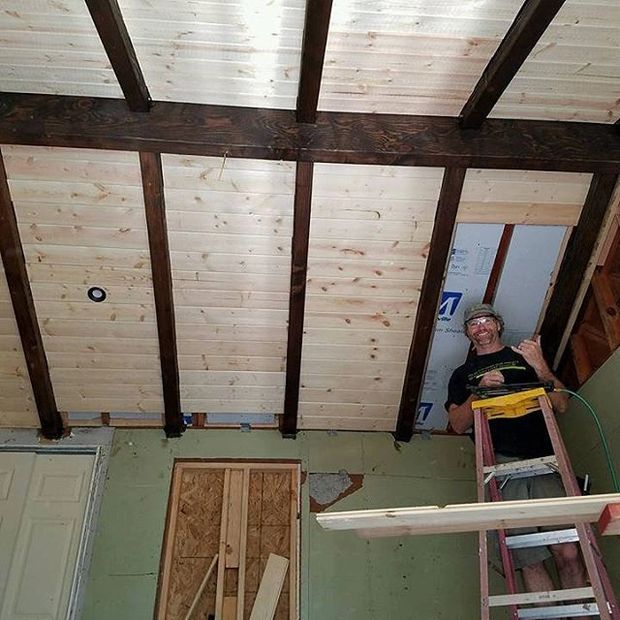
538	539
559	611
519	469
551	596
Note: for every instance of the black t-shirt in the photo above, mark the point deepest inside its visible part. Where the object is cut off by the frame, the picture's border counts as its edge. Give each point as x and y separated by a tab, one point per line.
526	436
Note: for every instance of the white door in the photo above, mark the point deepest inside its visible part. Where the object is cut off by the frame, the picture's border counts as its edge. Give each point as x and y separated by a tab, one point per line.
43	501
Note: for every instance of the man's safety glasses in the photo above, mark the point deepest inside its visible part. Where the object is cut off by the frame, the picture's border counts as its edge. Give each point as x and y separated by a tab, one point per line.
480	320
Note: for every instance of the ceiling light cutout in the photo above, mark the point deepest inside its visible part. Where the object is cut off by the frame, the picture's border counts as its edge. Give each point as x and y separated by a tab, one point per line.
97	294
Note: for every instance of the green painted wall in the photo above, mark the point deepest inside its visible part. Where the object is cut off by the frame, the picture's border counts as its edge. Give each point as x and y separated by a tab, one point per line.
425	578
602	391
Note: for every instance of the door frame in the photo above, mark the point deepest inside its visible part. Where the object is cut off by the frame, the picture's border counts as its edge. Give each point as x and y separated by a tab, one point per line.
96	442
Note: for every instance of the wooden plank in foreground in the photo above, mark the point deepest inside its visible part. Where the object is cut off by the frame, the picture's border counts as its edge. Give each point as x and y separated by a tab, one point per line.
270	588
469	517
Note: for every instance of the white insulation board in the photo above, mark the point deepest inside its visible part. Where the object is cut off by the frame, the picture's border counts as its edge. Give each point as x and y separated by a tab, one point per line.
520	295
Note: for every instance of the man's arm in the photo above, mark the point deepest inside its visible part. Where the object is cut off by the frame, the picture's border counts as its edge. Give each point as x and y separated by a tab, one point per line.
533	355
462	416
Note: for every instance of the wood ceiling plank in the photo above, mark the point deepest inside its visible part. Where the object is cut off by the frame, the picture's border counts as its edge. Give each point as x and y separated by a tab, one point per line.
337	137
299	269
109	22
154	202
578	253
530	23
316	28
25	314
441	244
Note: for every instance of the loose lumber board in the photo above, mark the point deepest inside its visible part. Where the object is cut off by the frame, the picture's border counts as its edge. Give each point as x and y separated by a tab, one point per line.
469	517
270	588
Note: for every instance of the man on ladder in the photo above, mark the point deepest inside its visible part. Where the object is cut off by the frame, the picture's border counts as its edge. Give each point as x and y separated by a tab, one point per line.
492	364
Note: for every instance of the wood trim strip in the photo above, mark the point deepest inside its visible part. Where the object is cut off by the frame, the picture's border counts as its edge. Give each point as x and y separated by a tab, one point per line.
294	546
154	202
426	316
498	264
243	543
221	566
579	250
529	25
201	587
161	600
469	517
316	28
337	137
263	464
297	296
14	262
110	25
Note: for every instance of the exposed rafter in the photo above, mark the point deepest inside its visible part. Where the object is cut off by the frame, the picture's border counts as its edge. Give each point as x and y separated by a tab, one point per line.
337	137
153	183
316	28
426	316
576	258
498	264
25	314
109	22
297	298
531	22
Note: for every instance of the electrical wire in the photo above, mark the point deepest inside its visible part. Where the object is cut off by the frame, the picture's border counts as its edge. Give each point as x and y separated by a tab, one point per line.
610	463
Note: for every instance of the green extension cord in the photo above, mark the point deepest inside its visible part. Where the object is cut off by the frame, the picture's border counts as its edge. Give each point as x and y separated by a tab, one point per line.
589	407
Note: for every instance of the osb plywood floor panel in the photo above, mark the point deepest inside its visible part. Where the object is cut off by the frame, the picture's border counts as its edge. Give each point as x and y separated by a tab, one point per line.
194	533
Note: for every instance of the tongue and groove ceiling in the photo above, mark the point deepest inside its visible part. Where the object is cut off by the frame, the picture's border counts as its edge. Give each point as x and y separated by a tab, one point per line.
230	221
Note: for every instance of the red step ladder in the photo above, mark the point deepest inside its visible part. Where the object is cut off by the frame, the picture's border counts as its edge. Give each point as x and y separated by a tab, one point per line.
600	600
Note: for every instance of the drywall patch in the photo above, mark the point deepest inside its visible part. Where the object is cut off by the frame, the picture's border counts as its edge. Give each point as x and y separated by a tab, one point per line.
328	488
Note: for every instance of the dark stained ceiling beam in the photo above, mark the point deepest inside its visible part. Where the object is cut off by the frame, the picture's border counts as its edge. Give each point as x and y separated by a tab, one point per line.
432	285
498	264
25	314
531	22
297	296
577	255
337	137
153	184
316	28
113	33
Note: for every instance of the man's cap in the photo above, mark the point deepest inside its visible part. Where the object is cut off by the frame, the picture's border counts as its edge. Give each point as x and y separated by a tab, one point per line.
481	310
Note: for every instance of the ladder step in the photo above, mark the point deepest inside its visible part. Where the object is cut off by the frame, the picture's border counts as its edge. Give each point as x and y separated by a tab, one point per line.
559	611
551	596
555	537
519	469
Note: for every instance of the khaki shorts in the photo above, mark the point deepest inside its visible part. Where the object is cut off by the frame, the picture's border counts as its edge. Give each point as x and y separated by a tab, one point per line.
534	487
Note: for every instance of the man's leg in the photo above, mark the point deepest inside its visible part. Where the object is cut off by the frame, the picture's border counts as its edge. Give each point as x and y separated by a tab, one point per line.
536	578
570	567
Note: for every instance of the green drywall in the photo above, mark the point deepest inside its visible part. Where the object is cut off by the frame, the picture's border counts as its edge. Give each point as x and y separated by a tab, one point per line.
342	576
602	391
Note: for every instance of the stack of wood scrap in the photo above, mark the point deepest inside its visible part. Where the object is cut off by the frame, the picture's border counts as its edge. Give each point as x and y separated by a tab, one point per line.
242	518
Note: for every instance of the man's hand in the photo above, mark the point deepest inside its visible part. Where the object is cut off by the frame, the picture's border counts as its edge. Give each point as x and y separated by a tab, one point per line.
533	355
491	379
